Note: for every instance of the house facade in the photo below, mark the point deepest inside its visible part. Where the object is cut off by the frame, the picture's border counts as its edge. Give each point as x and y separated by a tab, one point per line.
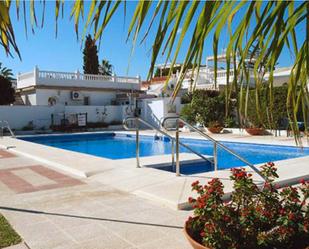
40	87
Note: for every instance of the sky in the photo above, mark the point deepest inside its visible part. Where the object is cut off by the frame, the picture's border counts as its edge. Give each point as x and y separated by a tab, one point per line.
64	53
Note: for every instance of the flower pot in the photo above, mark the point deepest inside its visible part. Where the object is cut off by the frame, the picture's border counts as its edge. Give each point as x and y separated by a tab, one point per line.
215	130
255	131
192	242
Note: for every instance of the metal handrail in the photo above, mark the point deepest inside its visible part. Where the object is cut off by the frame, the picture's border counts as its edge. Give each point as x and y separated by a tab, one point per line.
215	144
177	142
5	124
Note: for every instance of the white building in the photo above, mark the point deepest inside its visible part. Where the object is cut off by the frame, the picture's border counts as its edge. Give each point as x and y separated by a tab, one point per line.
205	79
49	88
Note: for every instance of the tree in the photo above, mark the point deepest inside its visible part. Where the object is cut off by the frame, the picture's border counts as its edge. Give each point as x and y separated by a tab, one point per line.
91	61
272	25
7	92
6	72
106	68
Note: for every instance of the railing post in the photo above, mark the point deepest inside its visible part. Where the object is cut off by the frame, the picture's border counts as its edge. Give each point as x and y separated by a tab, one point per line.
36	74
137	143
215	157
177	149
77	74
173	154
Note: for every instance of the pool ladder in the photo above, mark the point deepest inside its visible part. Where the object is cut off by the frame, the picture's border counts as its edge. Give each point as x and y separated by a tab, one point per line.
178	120
5	125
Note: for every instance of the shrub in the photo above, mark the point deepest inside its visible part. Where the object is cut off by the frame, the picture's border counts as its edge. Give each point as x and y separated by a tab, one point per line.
254	218
186	98
188	114
206	107
209	106
271	119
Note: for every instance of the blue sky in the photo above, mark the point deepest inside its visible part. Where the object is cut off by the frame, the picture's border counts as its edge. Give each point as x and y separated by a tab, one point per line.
64	53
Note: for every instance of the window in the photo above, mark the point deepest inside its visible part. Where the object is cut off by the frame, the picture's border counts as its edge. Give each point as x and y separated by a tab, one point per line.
86	100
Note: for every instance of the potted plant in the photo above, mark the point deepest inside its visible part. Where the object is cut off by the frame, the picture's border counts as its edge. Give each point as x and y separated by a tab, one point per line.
254	127
255	131
215	127
259	217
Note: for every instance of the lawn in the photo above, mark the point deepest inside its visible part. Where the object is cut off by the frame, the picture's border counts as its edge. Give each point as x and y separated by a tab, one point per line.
8	236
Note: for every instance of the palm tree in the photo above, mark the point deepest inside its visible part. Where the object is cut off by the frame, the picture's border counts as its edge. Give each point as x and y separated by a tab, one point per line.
106	68
270	25
6	72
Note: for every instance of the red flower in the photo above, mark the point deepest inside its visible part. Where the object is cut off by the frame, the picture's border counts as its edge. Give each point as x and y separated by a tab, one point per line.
302	181
282	211
195	183
291	216
191	200
277	186
271	164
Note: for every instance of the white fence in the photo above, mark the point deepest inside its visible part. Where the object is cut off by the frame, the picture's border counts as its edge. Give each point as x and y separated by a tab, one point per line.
20	117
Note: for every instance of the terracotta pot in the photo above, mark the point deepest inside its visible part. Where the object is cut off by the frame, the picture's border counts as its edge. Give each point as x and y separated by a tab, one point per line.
215	130
192	242
255	131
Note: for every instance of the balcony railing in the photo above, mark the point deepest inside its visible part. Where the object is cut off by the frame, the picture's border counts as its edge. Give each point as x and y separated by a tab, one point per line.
42	74
88	77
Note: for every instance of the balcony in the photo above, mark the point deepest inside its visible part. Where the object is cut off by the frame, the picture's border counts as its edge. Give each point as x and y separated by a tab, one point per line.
67	79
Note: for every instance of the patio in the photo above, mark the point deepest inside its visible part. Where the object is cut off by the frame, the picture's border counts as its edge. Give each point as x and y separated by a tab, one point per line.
50	209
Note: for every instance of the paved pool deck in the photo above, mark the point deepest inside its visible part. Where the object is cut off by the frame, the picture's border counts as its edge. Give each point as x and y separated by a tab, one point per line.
155	185
62	199
51	209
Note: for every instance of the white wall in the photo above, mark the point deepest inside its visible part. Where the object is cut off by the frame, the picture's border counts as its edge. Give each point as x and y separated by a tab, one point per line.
98	113
29	99
153	110
20	116
64	96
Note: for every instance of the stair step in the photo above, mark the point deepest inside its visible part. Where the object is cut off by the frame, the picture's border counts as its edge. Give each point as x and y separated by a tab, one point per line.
188	168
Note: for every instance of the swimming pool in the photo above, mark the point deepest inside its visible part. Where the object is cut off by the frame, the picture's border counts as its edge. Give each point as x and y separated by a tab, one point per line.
120	146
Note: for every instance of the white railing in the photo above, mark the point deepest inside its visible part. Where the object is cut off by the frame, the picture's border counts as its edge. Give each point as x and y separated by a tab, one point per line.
127	79
42	74
220	74
96	77
57	75
25	76
88	77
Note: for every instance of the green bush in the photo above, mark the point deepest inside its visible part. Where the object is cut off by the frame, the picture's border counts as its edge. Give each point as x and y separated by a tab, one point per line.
206	107
188	114
186	98
274	118
209	106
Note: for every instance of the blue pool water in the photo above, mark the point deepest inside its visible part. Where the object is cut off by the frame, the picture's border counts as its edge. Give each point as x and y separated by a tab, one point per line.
120	146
